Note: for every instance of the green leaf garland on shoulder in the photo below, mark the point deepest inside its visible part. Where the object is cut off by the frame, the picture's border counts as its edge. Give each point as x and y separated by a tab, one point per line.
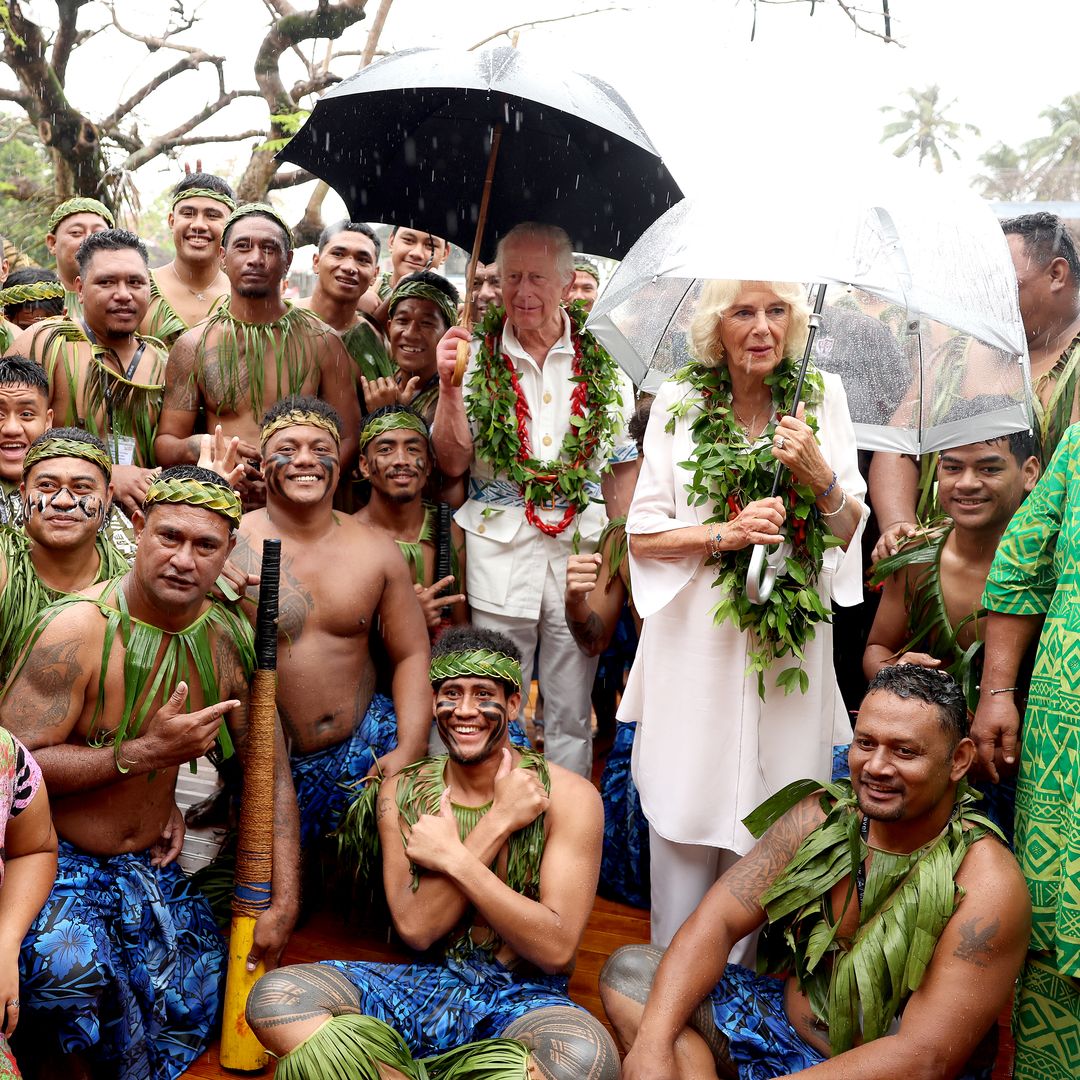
497	406
727	473
907	902
165	324
154	660
25	595
241	349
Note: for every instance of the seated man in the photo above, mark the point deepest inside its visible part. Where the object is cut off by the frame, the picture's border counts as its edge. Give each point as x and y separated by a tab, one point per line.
120	972
508	936
65	544
928	936
337	576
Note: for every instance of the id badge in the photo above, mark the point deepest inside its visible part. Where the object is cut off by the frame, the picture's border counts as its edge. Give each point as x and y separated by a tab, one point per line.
124	449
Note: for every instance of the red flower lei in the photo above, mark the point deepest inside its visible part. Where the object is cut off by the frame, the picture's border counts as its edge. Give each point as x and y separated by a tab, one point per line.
496	388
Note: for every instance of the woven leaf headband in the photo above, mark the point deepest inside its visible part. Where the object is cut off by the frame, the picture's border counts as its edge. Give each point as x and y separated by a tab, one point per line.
421	290
203	193
44	449
480	663
260	208
191	492
297	417
401	419
80	205
31	293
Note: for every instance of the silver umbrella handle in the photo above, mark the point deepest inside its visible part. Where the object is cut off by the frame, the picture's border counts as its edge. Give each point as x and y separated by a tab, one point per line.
765	565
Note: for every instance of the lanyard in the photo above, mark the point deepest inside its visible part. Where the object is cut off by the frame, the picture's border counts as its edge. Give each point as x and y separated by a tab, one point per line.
131	368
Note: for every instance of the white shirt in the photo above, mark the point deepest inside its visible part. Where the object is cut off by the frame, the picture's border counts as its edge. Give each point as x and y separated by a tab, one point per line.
502	547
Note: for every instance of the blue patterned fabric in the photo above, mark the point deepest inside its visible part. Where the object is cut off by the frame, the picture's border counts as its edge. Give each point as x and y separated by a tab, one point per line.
326	779
624	866
437	1007
840	770
123	965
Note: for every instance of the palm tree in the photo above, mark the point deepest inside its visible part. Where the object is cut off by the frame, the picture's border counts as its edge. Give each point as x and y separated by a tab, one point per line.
1007	178
1054	159
925	128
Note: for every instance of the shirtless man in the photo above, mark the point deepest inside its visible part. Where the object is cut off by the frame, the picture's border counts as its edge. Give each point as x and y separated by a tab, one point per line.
512	925
1047	265
103	375
410	250
345	267
89	961
910	752
337	576
396	459
71	223
184	292
63	545
252	352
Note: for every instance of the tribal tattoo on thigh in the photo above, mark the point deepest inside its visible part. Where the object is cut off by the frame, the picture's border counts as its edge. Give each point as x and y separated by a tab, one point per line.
302	992
566	1043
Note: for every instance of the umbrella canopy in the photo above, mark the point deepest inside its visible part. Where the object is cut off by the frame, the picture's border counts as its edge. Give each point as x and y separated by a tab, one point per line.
407	140
925	330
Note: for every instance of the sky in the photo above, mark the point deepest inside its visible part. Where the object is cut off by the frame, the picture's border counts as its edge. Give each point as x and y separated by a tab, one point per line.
805	94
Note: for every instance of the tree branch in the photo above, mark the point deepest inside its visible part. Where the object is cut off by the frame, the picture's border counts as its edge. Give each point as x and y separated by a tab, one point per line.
185	63
314	85
293	179
66	35
24	101
540	22
151	41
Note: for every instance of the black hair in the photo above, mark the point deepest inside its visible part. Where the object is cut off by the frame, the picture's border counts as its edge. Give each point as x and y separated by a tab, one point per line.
109	240
204	180
345	225
472	638
1045	238
306	404
33	275
72	434
934	687
286	236
16	370
389	410
1023	443
639	421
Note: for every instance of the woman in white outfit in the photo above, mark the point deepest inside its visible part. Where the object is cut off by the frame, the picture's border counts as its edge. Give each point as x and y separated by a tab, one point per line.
734	700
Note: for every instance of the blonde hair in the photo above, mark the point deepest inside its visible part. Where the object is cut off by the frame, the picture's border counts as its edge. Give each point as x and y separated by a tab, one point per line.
717	296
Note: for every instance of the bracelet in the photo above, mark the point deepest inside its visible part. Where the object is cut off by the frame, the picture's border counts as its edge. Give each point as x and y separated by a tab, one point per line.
713	541
828	490
833	513
1003	690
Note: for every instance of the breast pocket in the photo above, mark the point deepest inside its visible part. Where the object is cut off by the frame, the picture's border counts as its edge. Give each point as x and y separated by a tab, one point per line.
489	533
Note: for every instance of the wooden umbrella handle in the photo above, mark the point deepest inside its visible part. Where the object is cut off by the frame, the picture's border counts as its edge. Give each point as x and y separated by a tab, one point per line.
463	352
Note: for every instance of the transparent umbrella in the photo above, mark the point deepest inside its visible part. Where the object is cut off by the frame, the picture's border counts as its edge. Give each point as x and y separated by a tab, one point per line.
921	321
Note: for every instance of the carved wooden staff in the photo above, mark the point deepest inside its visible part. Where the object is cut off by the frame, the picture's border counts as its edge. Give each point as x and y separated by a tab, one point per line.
240	1049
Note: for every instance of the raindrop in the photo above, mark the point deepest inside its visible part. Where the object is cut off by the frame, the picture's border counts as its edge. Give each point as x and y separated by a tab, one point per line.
577	181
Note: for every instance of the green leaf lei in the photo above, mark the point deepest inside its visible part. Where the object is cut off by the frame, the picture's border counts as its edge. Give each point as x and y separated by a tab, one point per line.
728	473
496	405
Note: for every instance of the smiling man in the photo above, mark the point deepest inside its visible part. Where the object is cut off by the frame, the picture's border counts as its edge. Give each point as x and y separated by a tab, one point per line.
411	251
120	973
70	224
251	352
104	375
491	857
184	291
24	415
337	577
935	889
547	413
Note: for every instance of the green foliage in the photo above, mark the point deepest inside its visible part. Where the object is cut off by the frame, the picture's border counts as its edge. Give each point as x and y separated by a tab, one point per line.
924	128
290	123
26	189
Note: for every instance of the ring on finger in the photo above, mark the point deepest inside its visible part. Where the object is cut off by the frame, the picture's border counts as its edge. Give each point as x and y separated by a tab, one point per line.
779	442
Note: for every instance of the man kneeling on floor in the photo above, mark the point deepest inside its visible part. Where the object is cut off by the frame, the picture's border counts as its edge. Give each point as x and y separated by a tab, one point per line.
508	936
929	937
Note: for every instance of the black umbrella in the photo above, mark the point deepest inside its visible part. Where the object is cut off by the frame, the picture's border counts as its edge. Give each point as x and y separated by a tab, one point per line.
410	139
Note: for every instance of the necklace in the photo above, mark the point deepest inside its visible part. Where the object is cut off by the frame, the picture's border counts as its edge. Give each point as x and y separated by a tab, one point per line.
750	424
199	294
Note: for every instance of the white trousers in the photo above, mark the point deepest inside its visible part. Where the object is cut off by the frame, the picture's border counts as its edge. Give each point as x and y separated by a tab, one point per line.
681	875
565	673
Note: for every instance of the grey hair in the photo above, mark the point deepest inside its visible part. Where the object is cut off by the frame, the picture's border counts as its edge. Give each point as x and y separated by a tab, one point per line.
552	236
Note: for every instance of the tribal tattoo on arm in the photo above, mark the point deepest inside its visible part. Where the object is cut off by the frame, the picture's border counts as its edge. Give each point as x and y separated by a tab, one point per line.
40	697
748	879
976	946
587	632
181	385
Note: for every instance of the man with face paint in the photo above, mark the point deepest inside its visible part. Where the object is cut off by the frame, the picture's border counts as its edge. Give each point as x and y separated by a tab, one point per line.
104	375
64	545
900	969
396	459
116	689
251	352
489	855
337	576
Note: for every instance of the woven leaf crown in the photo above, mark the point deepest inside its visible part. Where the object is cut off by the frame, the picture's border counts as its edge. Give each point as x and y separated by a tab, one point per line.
192	492
481	663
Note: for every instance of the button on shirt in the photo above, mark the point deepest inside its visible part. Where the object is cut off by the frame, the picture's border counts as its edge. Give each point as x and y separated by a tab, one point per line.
510	556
